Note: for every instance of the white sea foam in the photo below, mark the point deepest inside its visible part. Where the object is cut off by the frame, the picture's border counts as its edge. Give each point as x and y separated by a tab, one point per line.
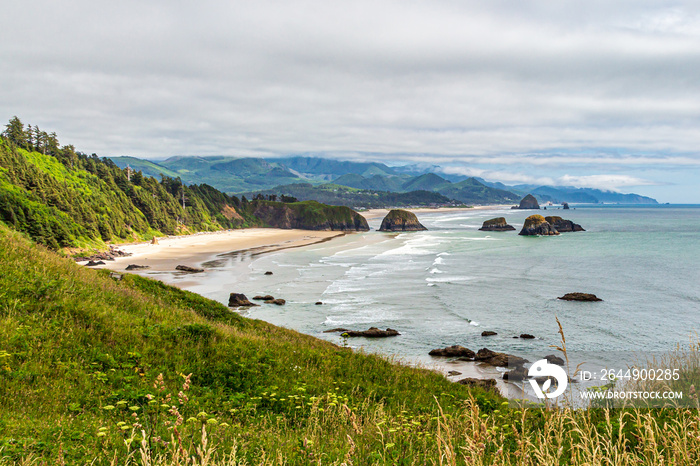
438	261
448	279
435	270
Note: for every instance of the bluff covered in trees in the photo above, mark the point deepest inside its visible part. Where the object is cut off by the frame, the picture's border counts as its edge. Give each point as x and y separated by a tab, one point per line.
65	198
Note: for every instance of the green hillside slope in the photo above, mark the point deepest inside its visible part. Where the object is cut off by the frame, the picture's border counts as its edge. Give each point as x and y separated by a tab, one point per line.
80	354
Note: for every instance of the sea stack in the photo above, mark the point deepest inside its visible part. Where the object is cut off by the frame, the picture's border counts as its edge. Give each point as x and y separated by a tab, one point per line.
528	202
563	226
536	225
496	224
401	220
566	205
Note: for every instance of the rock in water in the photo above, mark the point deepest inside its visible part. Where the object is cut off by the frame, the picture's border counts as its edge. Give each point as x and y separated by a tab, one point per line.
496	224
372	332
579	297
563	226
278	301
239	300
537	225
401	220
566	205
553	359
528	202
494	358
488	333
187	268
527	336
267	297
453	351
268	273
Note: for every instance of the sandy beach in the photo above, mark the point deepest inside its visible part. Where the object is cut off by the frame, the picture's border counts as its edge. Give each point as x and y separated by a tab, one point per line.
193	250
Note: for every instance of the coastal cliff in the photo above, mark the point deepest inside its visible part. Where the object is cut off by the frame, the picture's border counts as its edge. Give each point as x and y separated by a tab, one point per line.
536	225
307	215
401	220
496	224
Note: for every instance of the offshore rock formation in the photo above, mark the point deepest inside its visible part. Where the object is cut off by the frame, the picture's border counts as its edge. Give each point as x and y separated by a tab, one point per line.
537	225
401	220
239	300
566	205
453	351
579	297
308	215
563	226
528	202
496	224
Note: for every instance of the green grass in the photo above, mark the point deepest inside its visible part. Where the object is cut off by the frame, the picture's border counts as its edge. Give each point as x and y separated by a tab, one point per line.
80	353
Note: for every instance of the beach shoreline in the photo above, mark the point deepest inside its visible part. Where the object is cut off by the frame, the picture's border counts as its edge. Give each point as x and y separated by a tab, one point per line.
196	249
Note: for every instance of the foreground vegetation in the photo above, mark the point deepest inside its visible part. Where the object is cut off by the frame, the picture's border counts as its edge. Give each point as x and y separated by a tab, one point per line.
102	371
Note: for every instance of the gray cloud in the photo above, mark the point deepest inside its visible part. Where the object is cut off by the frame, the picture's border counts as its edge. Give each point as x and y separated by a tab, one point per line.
468	82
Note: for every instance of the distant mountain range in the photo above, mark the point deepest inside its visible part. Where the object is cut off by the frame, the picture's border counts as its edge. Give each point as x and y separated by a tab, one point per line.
309	177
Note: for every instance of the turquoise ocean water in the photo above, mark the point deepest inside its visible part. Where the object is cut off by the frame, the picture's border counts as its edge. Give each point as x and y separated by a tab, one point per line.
446	285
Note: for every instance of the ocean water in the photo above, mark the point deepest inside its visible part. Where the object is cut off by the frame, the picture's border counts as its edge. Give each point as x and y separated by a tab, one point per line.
446	285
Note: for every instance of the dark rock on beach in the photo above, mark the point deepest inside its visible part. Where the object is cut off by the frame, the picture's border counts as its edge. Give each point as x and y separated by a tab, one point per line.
453	373
187	268
528	202
239	300
563	226
486	384
453	351
401	220
515	375
268	273
319	303
103	256
494	358
579	297
136	267
536	225
496	224
94	263
488	333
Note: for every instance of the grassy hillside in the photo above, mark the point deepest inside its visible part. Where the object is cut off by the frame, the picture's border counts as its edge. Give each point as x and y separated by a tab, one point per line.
99	371
80	354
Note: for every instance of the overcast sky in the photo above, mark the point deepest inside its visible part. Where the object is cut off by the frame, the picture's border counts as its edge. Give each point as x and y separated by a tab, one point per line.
588	93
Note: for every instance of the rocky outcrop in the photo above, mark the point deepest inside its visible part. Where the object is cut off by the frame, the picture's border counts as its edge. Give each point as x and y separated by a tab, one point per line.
488	333
268	273
496	224
136	267
278	301
486	384
267	297
527	336
553	359
94	263
401	220
563	226
528	202
566	205
308	215
579	297
239	300
187	268
536	225
372	332
319	303
103	256
453	351
494	358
